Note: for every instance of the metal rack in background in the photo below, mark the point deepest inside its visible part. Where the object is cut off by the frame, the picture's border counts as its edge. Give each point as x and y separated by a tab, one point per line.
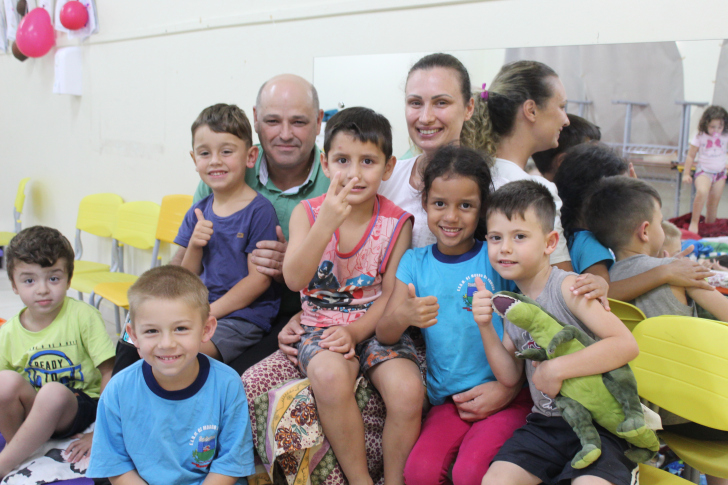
629	148
582	106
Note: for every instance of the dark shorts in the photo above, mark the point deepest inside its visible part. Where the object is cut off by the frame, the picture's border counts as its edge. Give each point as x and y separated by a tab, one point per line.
234	336
85	415
545	446
369	352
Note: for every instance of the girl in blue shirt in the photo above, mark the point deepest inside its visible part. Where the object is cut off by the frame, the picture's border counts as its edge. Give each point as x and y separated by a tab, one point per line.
436	284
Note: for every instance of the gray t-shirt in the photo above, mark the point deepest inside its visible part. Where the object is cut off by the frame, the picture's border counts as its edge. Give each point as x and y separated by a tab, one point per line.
552	300
658	301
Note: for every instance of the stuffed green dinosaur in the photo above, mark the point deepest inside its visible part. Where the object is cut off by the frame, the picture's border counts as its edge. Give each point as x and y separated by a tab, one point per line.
610	399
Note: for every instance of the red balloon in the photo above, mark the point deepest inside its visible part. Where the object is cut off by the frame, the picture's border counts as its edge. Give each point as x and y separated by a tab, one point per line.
74	15
35	35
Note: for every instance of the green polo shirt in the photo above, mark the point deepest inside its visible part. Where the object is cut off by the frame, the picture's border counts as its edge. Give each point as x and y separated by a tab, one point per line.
283	203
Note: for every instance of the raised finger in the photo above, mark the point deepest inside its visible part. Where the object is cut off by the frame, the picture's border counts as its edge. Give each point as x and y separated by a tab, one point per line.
333	184
685	251
347	188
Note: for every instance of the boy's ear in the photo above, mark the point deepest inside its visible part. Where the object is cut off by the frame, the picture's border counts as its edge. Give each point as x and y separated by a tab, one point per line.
252	157
325	165
132	333
642	231
389	167
192	154
529	110
552	240
208	329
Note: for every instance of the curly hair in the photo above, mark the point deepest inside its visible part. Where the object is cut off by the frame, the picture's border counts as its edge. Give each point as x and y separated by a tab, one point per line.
713	112
495	117
458	161
583	166
39	245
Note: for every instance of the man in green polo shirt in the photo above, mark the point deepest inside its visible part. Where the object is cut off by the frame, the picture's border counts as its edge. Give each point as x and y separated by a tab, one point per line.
287	119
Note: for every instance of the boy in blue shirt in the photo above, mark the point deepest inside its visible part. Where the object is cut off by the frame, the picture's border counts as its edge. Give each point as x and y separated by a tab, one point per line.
221	231
177	416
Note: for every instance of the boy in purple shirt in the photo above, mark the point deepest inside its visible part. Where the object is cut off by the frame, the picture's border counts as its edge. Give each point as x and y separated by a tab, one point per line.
222	230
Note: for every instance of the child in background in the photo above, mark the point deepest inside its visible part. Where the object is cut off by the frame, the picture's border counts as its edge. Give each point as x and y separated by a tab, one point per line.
672	245
342	256
520	239
626	215
221	231
176	416
708	148
436	285
582	168
55	355
578	131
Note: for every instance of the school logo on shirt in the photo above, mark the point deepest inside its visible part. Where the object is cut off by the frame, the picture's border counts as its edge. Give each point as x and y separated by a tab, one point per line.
467	289
204	445
52	366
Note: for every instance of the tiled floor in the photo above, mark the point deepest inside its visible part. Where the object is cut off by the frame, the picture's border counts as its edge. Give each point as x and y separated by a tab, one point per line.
10	305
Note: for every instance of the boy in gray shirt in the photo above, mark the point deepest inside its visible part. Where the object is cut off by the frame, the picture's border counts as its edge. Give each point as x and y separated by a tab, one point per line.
625	215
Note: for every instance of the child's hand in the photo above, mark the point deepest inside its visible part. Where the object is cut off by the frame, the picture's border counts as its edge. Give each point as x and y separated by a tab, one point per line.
546	379
592	287
339	339
421	311
335	207
79	449
687	273
482	304
203	231
687	179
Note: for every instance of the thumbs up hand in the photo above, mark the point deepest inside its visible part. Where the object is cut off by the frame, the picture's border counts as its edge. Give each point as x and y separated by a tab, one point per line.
203	231
482	304
422	311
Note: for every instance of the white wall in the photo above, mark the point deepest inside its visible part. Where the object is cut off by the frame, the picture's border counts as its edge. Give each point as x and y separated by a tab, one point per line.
155	65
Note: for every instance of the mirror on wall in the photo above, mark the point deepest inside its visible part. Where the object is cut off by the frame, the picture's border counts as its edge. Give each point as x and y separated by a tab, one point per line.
631	91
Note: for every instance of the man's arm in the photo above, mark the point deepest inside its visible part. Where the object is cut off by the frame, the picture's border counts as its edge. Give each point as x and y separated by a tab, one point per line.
268	256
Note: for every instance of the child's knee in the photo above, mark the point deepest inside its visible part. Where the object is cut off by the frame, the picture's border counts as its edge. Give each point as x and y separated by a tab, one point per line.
54	395
12	385
407	400
330	379
418	471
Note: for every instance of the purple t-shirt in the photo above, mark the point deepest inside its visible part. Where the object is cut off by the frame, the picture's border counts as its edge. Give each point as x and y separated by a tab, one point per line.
225	258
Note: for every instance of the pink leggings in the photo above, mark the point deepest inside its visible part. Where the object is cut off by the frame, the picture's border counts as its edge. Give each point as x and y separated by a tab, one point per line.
446	438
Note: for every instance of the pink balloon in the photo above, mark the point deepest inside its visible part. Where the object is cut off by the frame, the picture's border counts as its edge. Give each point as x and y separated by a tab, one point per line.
35	35
74	15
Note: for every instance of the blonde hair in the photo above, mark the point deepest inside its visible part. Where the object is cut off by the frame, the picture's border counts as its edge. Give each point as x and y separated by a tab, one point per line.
671	231
494	116
169	283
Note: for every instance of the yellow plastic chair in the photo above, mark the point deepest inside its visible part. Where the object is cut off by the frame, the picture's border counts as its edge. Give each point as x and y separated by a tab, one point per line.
136	226
6	236
96	215
171	215
628	313
683	368
650	475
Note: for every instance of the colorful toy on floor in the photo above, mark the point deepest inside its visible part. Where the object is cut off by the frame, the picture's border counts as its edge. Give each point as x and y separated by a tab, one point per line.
610	399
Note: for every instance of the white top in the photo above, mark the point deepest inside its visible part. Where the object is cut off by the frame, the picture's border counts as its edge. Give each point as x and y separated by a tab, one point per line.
506	171
398	190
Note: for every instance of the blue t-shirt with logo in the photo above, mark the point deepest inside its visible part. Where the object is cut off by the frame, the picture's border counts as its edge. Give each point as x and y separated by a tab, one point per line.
173	436
456	360
225	257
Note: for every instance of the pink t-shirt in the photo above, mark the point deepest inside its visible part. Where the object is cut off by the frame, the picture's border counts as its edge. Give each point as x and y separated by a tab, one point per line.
346	284
711	155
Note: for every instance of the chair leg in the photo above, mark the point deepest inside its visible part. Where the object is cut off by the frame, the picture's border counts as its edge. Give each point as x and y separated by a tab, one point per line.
117	320
80	296
92	300
691	474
